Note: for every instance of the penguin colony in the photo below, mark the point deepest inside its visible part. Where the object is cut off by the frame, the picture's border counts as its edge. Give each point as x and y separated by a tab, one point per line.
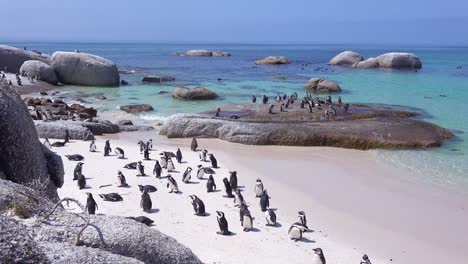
231	188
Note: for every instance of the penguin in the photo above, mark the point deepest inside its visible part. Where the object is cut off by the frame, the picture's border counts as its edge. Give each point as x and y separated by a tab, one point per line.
264	201
120	153
142	145
318	257
145	202
254	99
194	144
270	216
67	136
131	166
122	180
247	221
223	224
142	219
47	143
203	154
149	144
264	99
146	153
210	184
140	169
302	220
58	144
278	98
111	197
147	188
187	175
282	108
339	100
310	106
270	110
233	179
214	162
218	112
200	172
328	99
238	198
170	165
75	157
163	161
346	107
227	187
258	188
179	155
92	146
365	260
198	205
107	148
91	205
157	170
48	115
302	104
172	184
81	181
295	232
285	96
78	170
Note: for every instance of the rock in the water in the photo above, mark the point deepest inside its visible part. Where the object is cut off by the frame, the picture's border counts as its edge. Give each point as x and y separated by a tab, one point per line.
21	157
398	60
100	97
346	58
138	108
204	53
13	58
84	69
158	79
367	64
199	93
40	70
273	60
320	85
220	54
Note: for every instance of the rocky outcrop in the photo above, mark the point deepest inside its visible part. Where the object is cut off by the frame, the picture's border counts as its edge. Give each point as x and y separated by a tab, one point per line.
137	108
13	58
320	85
199	93
84	69
22	159
158	79
39	70
367	64
392	60
273	60
56	129
204	53
220	54
346	58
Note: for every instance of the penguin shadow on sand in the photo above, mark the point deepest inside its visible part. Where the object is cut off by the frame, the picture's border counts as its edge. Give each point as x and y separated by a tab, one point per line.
153	211
306	240
192	182
215	191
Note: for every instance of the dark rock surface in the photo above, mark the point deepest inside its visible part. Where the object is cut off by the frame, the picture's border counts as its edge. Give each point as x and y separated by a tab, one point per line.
158	79
198	93
137	108
39	70
321	85
13	58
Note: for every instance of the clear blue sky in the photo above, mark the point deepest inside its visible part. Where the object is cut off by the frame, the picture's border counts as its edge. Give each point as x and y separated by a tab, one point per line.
237	21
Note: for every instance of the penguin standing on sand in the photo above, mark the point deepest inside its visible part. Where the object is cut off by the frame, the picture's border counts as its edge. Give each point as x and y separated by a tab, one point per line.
146	153
194	144
200	172
247	221
91	205
78	170
254	99
264	201
233	179
92	146
122	180
210	184
149	144
203	154
47	143
67	136
295	232
170	165
198	205
223	224
270	216
81	181
227	187
172	184
258	188
214	162
140	169
339	100
187	175
318	257
120	153
238	198
282	108
163	161
157	170
145	202
107	148
264	99
179	155
270	110
142	145
365	260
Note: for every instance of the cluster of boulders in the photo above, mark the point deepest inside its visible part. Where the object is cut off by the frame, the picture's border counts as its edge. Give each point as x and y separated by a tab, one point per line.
72	68
57	109
393	60
321	85
275	60
203	53
198	93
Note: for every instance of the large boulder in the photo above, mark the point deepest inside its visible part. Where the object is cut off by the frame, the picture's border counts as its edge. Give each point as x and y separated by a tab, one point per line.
22	158
137	108
273	60
13	58
199	93
84	69
367	64
346	58
399	60
320	85
56	129
39	69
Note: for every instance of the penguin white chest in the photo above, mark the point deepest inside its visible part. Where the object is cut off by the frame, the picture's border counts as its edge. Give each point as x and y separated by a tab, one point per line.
295	233
247	223
316	259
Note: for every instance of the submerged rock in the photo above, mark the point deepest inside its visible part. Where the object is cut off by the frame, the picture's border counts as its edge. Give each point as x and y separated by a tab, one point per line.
40	70
273	60
320	85
199	93
137	108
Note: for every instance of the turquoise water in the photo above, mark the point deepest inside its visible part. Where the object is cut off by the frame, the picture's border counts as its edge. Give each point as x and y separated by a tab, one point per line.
439	89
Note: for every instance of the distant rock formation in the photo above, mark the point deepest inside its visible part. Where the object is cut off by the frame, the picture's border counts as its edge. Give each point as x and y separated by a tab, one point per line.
12	58
321	85
40	71
204	53
393	60
346	58
273	60
137	108
198	93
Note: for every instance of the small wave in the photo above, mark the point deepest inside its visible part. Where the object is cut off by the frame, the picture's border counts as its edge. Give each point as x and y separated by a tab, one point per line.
153	117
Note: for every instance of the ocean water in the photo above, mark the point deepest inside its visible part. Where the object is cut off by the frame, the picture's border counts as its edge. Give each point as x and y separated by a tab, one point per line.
440	89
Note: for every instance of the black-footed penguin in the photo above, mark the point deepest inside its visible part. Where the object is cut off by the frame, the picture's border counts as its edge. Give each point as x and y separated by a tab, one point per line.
227	187
140	169
47	143
254	99
346	107
142	219
238	198
157	170
198	205
258	188
233	179
295	232
149	144
145	202
270	110
200	172
92	146
78	170
214	162
270	216
318	257
111	197
365	260
58	144
107	148
131	166
194	144
203	154
210	184
81	181
179	155
282	108
264	99
218	112
91	205
163	161
339	100
247	221
146	153
170	165
74	157
147	188
122	180
141	144
172	184
301	219
278	98
67	136
264	201
328	99
223	224
187	175
120	153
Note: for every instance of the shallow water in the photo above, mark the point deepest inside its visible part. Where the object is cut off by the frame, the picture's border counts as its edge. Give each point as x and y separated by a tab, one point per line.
439	89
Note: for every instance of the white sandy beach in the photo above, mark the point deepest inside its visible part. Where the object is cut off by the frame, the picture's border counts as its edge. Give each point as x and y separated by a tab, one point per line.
354	204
